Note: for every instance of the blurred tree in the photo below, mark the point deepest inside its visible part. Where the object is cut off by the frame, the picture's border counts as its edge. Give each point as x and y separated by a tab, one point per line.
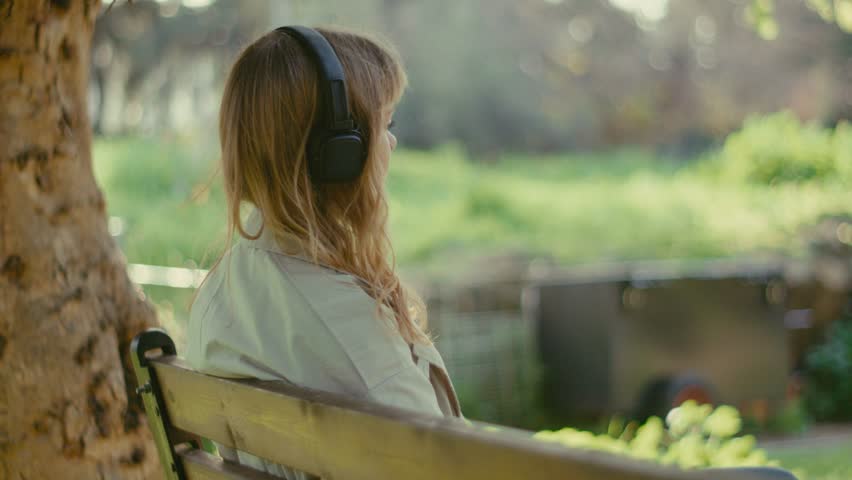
158	65
497	75
67	308
761	14
553	75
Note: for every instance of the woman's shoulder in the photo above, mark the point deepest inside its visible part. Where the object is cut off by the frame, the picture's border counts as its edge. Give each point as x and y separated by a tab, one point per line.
366	332
289	311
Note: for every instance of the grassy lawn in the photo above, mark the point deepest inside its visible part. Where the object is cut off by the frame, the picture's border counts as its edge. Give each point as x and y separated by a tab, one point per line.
577	208
823	461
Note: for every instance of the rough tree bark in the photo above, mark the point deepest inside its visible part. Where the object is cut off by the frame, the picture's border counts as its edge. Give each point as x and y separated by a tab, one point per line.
67	308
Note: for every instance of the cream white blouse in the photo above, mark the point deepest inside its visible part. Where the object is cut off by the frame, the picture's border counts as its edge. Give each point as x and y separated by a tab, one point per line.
271	315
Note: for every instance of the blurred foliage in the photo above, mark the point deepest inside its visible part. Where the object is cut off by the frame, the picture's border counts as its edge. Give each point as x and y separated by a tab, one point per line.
575	207
158	190
838	11
779	148
621	205
693	436
828	392
790	419
761	14
497	75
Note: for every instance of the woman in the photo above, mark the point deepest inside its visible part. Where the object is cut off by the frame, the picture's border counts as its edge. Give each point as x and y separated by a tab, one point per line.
308	294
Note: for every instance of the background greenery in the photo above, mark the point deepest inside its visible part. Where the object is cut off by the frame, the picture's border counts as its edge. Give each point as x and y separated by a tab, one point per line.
829	369
751	197
827	461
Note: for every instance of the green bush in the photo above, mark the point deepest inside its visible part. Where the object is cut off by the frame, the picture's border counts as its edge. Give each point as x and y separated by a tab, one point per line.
693	436
778	148
828	394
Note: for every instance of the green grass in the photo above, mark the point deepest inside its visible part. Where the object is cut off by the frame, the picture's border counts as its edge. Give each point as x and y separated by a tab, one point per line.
818	462
578	208
150	185
589	208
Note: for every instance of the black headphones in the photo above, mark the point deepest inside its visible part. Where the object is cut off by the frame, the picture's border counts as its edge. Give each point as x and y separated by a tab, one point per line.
336	149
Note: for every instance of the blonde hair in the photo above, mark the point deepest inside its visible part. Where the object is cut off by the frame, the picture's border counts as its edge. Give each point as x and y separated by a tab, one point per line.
268	107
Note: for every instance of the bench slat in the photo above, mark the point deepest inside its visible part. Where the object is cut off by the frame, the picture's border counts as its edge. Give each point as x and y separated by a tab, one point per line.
200	465
371	441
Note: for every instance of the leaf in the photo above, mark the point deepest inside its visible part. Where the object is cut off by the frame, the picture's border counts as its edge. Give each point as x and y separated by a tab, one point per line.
767	28
823	8
724	422
843	14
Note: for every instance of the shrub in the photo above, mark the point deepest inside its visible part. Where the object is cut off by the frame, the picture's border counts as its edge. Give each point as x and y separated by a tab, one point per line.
693	436
828	392
778	148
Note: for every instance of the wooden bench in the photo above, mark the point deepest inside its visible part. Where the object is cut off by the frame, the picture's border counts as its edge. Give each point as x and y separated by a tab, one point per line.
338	437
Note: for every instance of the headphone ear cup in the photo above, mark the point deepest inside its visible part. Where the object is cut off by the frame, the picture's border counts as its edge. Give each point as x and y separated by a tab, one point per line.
337	158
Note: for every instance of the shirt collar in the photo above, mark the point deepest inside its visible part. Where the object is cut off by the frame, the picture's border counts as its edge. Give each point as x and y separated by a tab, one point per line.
286	245
428	352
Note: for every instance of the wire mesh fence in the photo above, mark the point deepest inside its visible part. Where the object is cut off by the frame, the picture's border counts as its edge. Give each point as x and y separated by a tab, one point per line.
492	358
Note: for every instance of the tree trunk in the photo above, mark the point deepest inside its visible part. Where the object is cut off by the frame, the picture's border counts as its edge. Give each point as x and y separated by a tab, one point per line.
67	307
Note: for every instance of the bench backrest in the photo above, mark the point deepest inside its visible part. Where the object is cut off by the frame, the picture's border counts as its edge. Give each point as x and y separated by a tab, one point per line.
339	437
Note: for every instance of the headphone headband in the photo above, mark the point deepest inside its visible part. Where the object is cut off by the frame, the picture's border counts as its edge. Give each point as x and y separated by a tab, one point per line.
337	115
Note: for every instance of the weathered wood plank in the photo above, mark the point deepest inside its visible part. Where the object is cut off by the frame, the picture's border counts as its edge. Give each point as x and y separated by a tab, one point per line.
339	437
200	465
